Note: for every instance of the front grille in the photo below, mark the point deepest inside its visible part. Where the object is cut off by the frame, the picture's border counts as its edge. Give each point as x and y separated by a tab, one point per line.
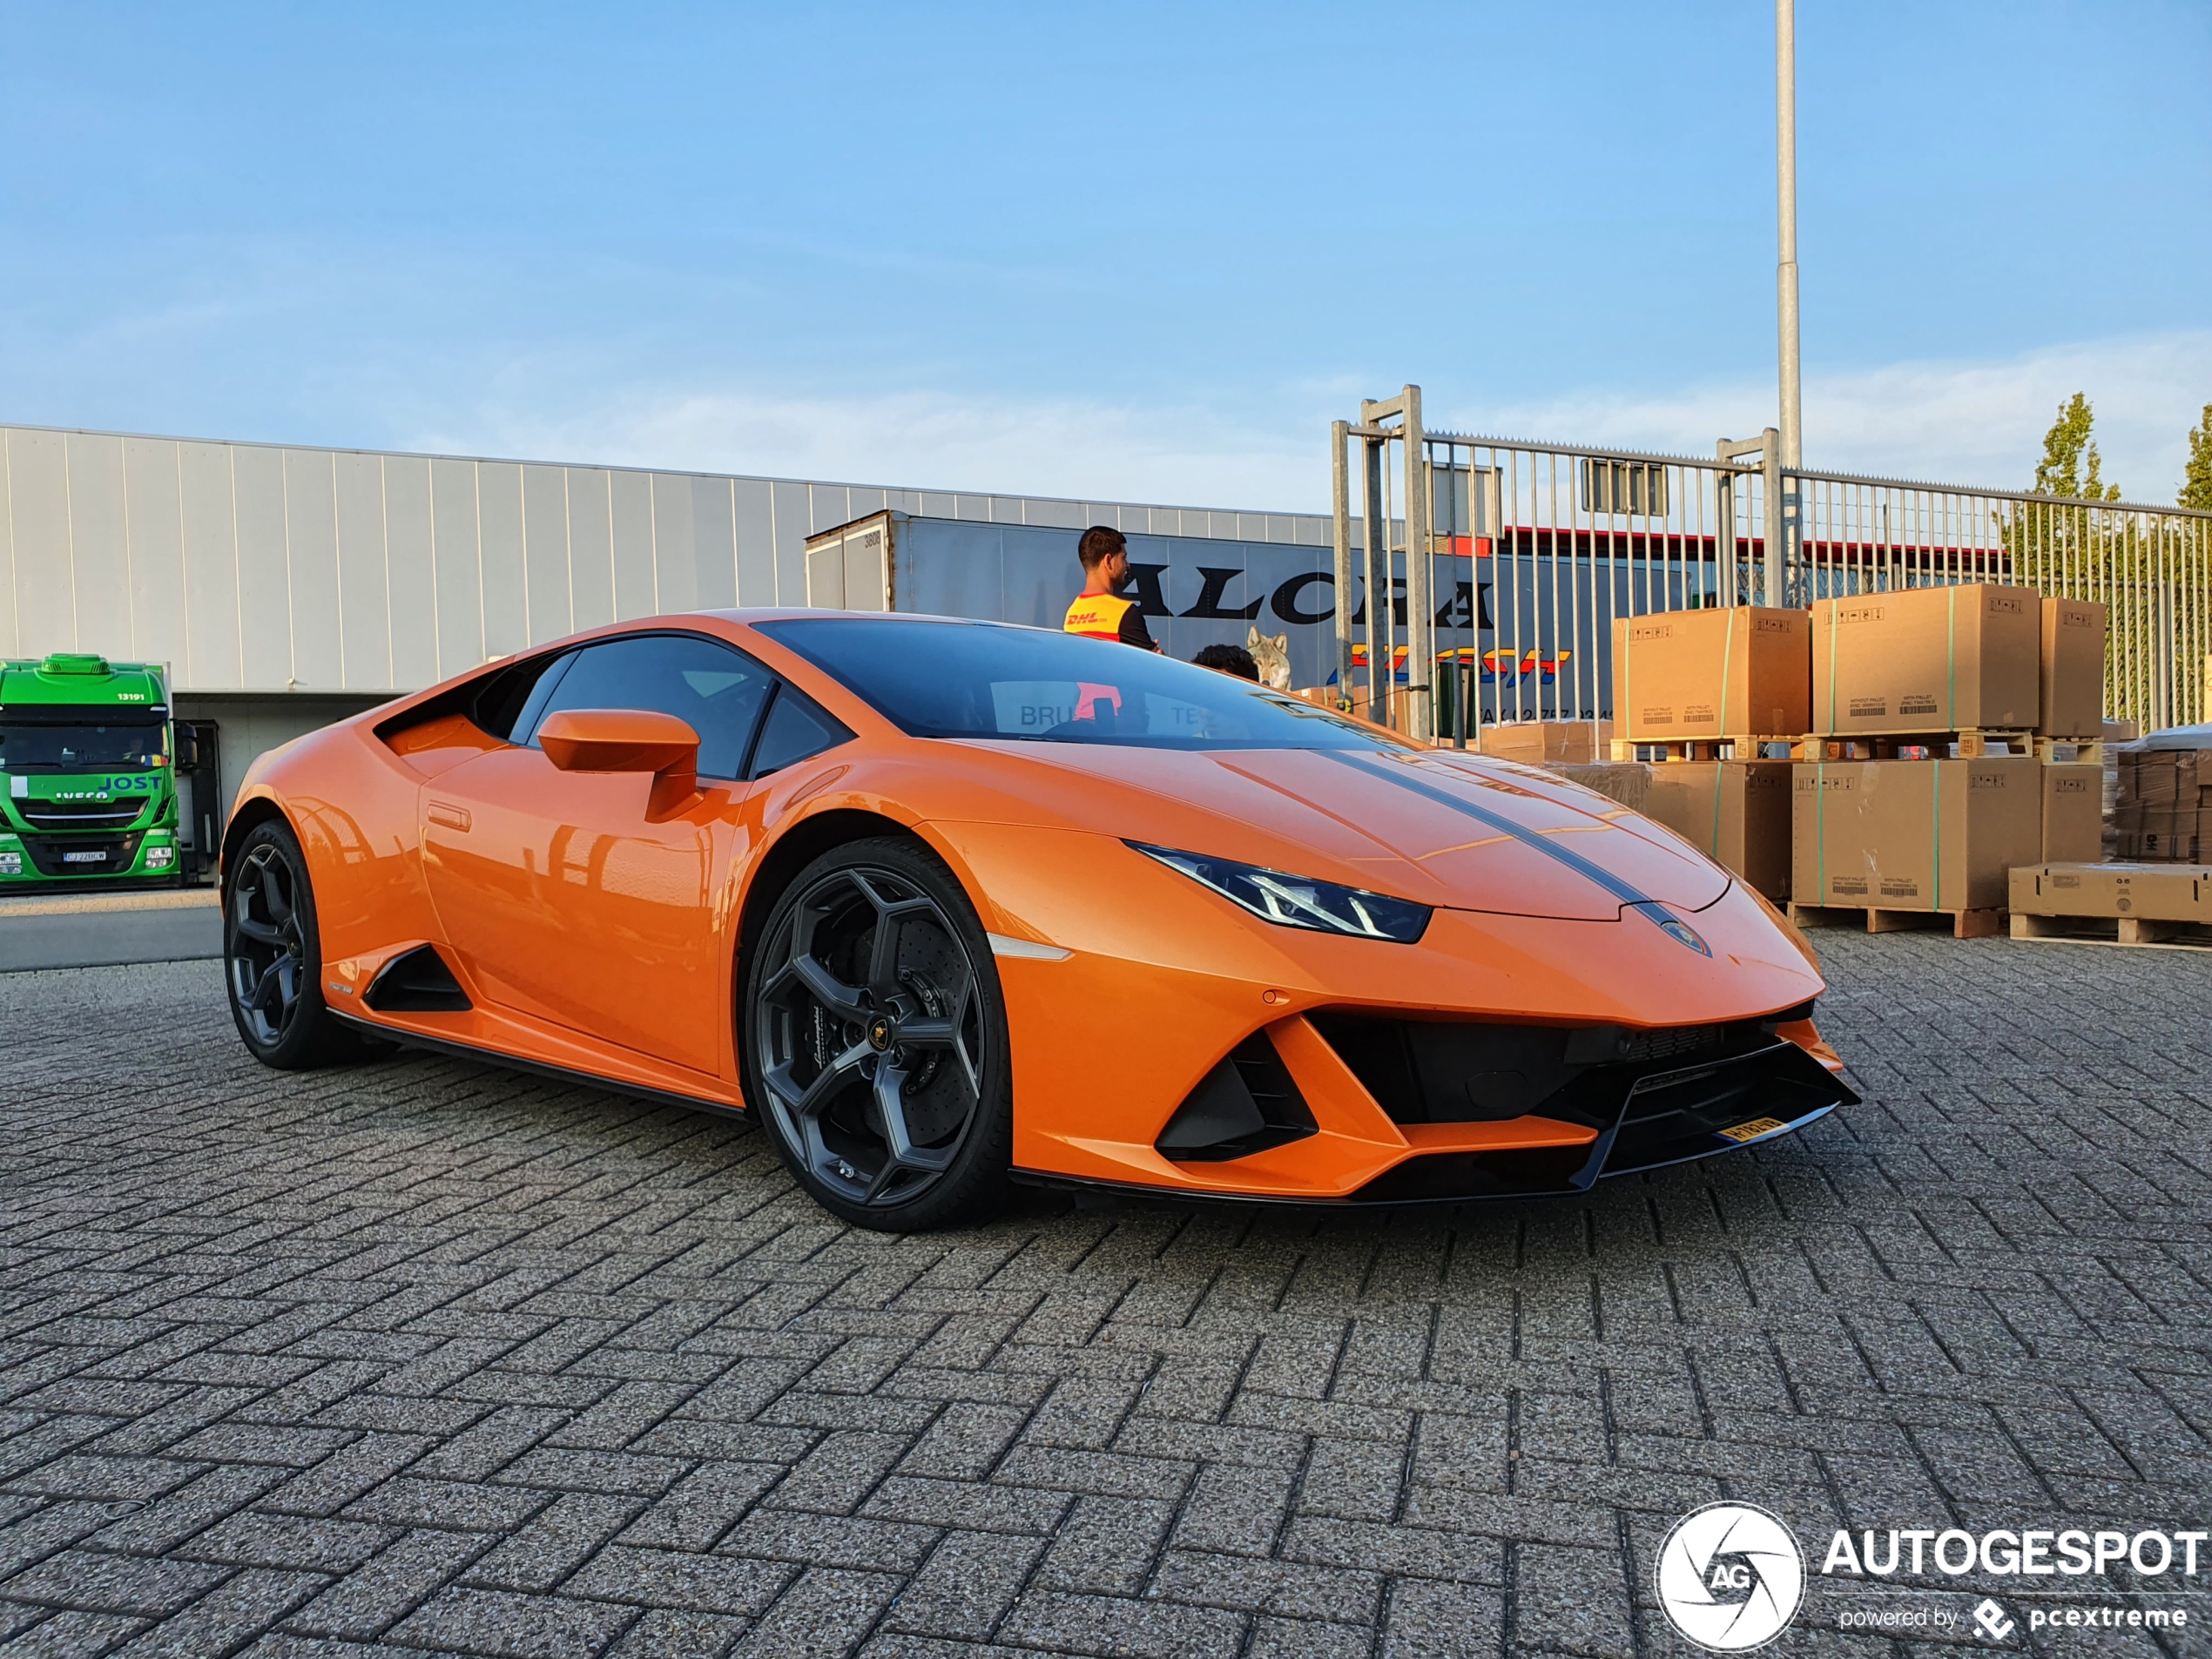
1674	1116
82	814
49	854
1651	1118
1667	1043
1246	1104
1463	1071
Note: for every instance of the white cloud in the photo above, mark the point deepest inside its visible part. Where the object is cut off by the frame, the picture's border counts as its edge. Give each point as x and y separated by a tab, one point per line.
1087	451
1948	422
1976	423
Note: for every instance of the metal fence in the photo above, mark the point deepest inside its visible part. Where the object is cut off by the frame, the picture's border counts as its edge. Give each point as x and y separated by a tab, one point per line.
1536	548
1543	545
2151	566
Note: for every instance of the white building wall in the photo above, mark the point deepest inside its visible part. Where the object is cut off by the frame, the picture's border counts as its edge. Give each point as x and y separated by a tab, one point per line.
260	568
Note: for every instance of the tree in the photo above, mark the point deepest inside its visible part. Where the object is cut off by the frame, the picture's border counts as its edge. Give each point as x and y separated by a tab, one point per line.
2197	480
2071	466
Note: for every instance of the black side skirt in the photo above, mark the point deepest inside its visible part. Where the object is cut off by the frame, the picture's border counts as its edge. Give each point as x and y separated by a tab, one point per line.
538	1067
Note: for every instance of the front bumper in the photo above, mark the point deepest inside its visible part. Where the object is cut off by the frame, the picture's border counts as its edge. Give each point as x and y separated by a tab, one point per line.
1138	1002
1643	1121
31	862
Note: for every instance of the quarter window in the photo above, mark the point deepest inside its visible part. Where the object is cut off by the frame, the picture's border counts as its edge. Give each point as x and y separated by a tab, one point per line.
797	728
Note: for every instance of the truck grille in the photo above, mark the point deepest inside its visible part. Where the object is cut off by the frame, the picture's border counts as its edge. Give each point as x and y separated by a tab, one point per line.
49	854
82	814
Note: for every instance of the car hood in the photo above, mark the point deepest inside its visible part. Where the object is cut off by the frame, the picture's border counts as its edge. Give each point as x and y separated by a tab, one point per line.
1457	832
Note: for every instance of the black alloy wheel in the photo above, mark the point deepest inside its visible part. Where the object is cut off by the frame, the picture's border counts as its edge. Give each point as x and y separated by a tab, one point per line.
273	956
878	1049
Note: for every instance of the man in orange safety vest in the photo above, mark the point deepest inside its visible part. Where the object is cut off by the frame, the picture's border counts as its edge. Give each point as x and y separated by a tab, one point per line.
1099	611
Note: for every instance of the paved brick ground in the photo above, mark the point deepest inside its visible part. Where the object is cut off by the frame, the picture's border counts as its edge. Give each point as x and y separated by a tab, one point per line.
423	1356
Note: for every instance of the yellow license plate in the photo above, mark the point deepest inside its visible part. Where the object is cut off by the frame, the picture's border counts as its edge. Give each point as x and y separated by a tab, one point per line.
1752	1130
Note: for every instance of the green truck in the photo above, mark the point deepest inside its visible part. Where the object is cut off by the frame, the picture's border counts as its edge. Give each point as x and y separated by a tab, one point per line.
88	753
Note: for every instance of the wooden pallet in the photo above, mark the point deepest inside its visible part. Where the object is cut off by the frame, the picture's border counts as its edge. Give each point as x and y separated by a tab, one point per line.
2113	930
1973	744
2085	752
1748	747
1964	924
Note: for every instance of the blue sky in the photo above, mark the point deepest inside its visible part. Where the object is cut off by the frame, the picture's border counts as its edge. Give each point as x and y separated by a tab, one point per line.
1137	250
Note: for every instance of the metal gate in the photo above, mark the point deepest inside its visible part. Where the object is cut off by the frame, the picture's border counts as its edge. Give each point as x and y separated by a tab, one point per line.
1533	549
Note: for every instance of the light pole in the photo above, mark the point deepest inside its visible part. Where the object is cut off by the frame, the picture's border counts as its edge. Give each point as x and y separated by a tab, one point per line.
1785	158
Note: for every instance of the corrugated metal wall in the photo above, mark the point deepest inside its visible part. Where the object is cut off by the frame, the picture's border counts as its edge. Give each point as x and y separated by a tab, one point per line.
254	567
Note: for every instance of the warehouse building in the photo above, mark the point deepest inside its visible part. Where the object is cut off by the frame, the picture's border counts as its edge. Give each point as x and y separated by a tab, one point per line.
290	587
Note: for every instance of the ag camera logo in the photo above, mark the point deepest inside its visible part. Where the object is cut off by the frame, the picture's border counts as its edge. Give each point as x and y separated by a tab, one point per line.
1730	1577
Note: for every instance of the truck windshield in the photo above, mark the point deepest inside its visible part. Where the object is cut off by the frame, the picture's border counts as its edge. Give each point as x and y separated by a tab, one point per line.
82	741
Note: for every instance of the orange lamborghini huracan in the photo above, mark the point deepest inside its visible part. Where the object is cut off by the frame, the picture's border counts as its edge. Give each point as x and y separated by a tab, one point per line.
946	904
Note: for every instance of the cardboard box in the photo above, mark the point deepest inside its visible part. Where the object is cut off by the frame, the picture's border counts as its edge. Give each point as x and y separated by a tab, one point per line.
1628	781
2159	834
1541	742
2073	703
1742	671
1737	813
2166	778
1927	659
2074	815
1912	834
2147	892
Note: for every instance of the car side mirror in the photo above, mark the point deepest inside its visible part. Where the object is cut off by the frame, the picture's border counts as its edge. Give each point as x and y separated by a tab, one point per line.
628	740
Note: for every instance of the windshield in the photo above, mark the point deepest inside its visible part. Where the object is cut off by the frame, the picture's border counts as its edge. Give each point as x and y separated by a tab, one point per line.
966	679
81	745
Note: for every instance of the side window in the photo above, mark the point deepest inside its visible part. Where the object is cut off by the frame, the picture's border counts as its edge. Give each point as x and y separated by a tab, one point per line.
715	690
510	700
797	728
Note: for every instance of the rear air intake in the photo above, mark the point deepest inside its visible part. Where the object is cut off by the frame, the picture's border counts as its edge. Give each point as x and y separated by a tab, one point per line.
417	982
1247	1104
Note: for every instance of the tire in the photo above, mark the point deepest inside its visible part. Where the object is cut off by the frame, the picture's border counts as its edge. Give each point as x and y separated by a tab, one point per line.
273	956
850	1034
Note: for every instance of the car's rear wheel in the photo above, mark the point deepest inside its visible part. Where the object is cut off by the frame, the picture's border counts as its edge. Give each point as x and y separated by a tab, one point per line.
273	955
877	1051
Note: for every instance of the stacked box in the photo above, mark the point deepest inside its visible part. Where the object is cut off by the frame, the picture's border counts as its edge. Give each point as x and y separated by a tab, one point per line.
2074	815
2144	892
1738	813
1935	835
1742	672
2073	700
1547	742
1928	660
2164	812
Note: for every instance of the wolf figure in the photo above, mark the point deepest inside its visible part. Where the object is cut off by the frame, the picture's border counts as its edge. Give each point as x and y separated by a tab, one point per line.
1272	653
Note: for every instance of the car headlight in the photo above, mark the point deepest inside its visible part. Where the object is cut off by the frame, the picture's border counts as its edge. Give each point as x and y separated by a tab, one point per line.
1297	902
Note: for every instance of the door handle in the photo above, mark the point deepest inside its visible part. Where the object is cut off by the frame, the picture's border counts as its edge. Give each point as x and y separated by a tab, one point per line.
451	817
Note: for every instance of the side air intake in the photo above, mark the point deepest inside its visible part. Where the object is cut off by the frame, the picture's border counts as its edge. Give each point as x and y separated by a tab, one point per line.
1247	1104
417	982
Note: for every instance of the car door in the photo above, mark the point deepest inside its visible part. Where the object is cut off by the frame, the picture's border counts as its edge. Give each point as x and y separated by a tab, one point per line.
564	897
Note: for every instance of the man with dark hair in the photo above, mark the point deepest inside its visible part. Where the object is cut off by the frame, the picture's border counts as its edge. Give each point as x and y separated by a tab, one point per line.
1228	659
1099	611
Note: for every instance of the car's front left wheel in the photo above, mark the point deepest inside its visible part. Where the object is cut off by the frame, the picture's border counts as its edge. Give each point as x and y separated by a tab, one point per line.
876	1045
273	955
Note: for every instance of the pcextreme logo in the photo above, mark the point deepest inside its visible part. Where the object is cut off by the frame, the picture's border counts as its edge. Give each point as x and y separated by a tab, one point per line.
1730	1577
